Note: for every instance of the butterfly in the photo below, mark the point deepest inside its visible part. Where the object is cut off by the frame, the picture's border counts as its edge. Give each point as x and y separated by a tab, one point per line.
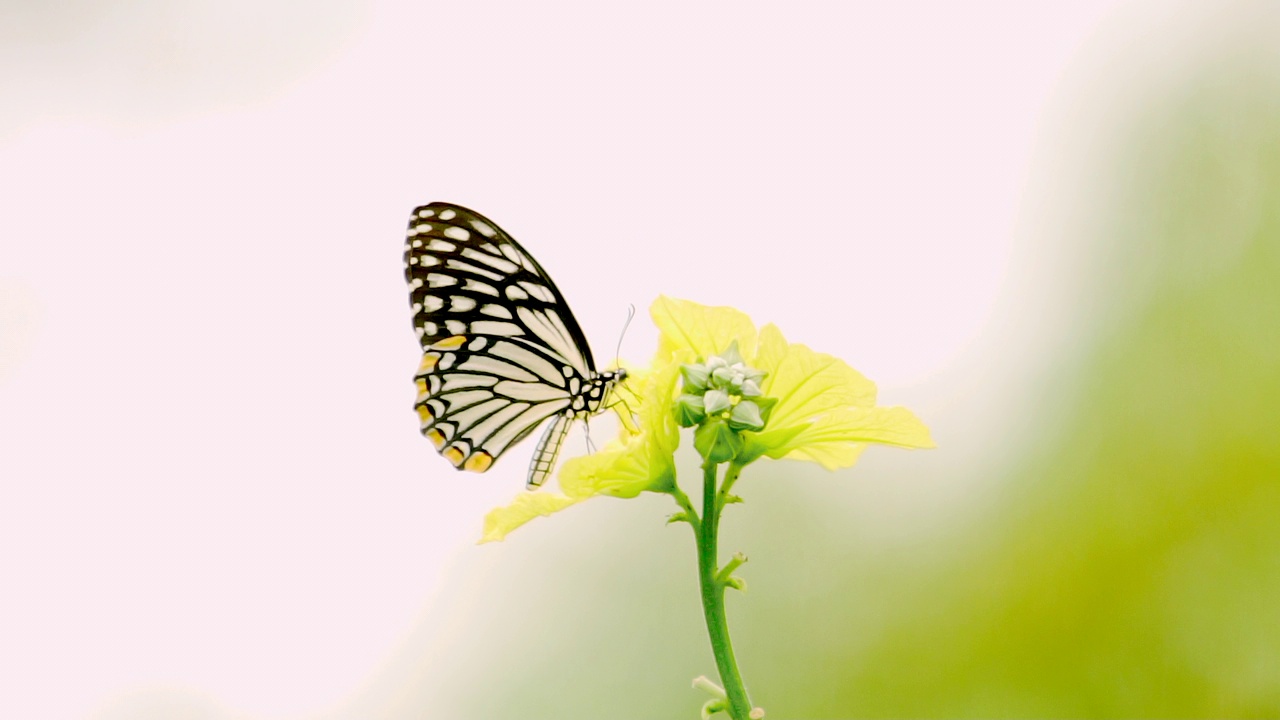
502	352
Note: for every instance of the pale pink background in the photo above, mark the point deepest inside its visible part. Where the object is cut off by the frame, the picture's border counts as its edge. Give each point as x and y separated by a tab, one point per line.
210	474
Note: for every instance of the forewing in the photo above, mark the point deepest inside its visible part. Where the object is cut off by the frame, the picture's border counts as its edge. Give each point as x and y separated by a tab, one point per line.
468	277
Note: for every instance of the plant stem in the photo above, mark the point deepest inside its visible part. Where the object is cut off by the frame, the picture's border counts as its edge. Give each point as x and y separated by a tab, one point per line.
690	515
713	594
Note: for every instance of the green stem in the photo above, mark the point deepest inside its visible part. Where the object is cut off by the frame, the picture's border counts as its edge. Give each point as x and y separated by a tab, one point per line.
690	515
730	477
713	594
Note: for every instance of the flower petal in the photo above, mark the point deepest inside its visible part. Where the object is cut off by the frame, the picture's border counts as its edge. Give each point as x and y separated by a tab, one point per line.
688	328
807	383
836	439
620	469
527	506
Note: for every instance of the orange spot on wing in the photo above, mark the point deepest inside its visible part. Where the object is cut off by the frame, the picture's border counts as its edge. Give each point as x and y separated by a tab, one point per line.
454	456
428	362
424	414
422	392
479	462
450	343
437	438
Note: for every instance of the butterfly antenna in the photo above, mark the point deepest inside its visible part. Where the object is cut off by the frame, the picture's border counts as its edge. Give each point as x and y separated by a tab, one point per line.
617	356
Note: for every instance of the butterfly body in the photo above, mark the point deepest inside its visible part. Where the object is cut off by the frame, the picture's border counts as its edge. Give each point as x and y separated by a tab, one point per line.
502	353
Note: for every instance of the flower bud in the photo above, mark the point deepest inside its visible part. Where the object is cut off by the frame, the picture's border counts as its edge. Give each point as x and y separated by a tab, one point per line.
746	416
732	355
716	401
722	377
695	377
716	442
690	410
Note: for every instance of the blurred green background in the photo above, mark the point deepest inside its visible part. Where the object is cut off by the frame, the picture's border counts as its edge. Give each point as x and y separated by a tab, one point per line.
1107	545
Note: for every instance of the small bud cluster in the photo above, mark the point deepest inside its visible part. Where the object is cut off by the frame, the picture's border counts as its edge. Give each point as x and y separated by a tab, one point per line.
722	397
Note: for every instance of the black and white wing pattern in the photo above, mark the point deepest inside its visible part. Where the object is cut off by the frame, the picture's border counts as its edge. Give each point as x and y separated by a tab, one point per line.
502	353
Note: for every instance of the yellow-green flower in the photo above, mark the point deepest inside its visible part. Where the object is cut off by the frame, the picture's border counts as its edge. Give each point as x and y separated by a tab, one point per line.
816	408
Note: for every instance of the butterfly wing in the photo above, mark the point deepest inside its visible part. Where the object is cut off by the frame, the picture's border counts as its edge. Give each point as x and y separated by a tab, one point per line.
501	350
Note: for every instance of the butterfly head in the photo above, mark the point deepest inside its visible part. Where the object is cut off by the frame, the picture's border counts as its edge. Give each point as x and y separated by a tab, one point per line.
597	392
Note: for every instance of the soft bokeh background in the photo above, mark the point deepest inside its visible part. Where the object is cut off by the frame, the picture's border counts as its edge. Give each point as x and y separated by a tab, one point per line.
1052	229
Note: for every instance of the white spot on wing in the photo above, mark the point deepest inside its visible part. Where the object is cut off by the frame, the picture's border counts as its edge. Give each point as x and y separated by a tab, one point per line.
496	263
539	291
455	327
515	293
492	327
438	280
475	414
527	419
518	257
426	213
495	366
483	429
431	302
483	228
462	398
468	267
447	215
441	245
498	311
457	233
529	360
535	392
549	329
478	286
458	380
